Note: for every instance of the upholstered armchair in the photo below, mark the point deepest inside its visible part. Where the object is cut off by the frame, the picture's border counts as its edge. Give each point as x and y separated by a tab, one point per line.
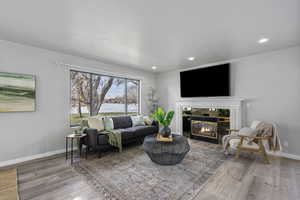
253	139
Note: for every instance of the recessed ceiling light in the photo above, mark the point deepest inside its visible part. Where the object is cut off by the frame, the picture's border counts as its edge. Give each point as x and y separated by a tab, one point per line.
154	67
263	40
191	58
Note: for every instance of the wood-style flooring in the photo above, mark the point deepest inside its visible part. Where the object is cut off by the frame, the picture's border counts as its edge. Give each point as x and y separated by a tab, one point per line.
242	179
250	179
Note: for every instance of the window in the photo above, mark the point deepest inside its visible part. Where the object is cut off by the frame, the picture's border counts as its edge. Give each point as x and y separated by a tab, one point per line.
101	95
80	96
132	97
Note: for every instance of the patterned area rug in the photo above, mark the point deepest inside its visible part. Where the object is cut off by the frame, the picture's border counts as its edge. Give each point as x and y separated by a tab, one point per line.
132	175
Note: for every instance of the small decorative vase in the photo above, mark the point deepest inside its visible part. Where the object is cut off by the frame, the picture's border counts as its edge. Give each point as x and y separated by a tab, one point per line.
165	131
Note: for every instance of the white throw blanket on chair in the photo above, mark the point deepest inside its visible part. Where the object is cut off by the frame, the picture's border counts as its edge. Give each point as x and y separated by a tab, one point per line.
262	129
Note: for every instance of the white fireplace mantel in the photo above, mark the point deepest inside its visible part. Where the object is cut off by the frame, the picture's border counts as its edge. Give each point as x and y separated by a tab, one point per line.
232	103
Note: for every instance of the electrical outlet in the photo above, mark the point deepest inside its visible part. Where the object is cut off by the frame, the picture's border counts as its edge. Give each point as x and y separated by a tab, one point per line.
285	144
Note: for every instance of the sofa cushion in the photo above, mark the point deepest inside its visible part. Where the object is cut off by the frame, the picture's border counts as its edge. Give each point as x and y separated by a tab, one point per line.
128	133
137	120
145	130
137	131
96	123
122	122
108	123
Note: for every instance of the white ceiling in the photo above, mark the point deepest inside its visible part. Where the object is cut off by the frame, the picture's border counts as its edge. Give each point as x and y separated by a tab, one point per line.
142	33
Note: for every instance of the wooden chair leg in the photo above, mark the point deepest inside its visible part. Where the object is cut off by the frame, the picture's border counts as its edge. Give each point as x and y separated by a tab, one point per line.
264	153
239	149
237	155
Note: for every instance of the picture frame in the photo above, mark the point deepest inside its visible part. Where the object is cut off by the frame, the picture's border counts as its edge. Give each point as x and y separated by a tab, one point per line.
17	92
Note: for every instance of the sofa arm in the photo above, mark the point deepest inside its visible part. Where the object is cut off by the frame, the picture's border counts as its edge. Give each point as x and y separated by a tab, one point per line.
102	139
91	139
156	124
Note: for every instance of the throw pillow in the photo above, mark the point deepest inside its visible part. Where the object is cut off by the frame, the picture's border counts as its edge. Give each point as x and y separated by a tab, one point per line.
108	123
137	120
96	123
148	121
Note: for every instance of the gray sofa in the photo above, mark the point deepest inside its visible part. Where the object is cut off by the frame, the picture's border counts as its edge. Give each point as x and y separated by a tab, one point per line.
97	141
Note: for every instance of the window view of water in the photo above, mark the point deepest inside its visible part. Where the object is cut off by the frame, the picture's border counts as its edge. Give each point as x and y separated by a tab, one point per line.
109	108
113	95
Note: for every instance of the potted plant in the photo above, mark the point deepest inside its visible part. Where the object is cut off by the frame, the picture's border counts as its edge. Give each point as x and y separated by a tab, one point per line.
164	119
77	132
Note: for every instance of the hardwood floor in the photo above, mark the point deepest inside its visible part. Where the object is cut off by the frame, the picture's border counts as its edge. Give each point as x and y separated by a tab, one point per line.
246	178
53	179
253	180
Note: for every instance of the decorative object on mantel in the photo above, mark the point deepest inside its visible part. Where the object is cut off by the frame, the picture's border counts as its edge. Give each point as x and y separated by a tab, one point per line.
164	119
17	92
187	110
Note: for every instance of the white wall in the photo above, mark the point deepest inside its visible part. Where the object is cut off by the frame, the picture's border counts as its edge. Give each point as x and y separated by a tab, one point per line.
269	82
30	133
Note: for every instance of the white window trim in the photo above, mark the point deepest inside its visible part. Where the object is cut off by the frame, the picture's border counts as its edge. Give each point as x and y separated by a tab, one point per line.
103	73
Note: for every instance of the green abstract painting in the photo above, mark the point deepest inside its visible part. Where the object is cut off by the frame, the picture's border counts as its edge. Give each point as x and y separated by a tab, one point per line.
17	92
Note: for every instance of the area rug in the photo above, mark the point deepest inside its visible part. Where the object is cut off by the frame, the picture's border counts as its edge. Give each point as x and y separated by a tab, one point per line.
131	175
8	185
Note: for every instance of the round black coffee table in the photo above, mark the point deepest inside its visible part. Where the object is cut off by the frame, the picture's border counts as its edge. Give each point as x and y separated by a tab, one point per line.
166	153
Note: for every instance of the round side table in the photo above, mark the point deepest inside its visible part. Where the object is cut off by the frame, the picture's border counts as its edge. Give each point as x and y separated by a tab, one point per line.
77	137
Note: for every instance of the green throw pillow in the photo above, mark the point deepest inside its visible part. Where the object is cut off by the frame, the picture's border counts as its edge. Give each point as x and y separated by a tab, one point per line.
108	123
137	120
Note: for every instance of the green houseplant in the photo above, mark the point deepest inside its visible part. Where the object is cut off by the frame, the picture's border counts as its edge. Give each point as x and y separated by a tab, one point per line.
164	119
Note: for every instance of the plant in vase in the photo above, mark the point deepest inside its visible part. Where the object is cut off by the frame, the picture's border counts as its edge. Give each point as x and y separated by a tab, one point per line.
77	132
164	119
83	125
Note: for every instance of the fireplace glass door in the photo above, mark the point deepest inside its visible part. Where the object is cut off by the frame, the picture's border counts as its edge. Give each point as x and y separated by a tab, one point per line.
204	129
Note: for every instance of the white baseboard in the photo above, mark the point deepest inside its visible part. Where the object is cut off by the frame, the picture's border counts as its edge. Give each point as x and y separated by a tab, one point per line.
285	155
28	158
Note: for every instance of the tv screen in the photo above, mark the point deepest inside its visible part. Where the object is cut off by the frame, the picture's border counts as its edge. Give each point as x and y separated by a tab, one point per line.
206	82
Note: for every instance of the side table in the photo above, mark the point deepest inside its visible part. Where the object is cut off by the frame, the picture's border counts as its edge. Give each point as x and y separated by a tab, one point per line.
79	138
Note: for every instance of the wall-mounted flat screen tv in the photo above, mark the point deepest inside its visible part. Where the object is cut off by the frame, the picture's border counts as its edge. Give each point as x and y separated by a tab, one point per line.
211	81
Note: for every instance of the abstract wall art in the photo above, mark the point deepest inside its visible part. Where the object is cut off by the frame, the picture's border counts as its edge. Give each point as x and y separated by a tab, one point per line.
17	92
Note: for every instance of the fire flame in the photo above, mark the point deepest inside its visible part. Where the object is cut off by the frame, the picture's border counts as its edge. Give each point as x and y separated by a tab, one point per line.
203	129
